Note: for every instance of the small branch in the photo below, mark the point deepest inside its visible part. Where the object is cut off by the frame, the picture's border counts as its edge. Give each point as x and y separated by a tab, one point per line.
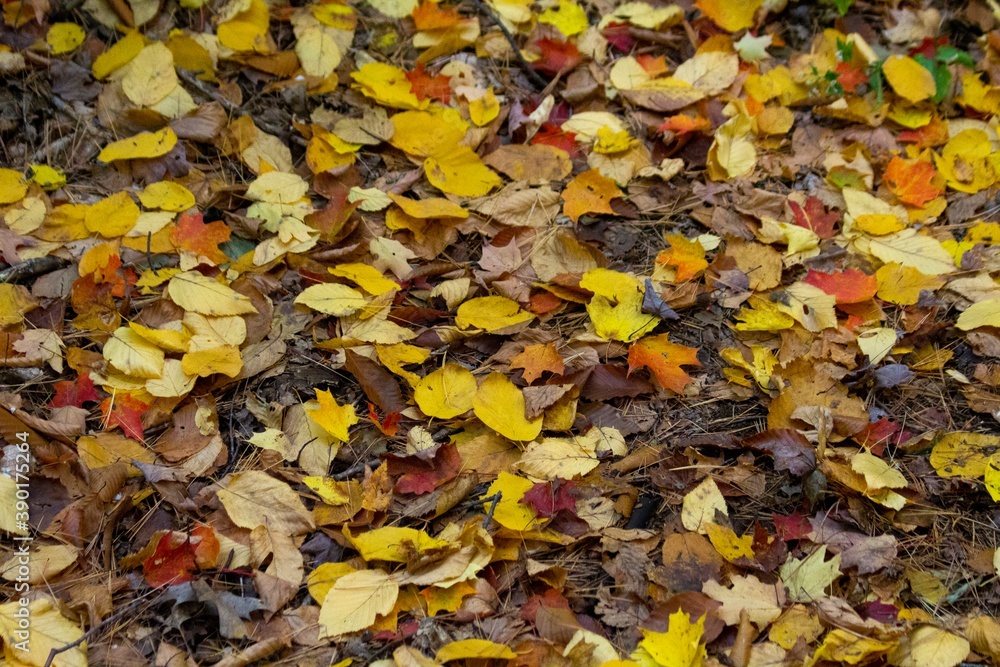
31	268
532	75
493	508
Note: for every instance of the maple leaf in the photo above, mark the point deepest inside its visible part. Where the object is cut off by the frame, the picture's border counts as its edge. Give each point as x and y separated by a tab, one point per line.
178	555
201	240
433	16
682	124
74	392
426	470
793	526
686	257
125	411
557	56
536	359
548	498
849	286
388	426
850	76
552	135
426	86
664	359
814	216
589	192
913	181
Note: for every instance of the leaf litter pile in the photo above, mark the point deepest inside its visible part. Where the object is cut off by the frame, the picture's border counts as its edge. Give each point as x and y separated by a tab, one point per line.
500	332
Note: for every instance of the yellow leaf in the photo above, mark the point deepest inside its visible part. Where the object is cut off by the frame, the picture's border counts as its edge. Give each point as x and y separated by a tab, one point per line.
388	86
963	454
485	108
679	646
991	475
396	9
877	473
924	253
730	546
13	519
929	646
332	299
112	216
711	72
132	355
322	579
394	543
762	602
730	15
12	186
701	505
224	359
446	393
355	600
277	187
167	196
459	171
173	381
500	405
474	649
198	293
903	285
558	458
317	51
64	37
510	512
15	301
808	578
49	630
732	154
616	307
877	343
431	207
254	498
48	178
45	562
150	76
107	448
394	357
568	17
119	55
247	30
367	277
140	146
333	417
844	647
980	314
494	314
909	78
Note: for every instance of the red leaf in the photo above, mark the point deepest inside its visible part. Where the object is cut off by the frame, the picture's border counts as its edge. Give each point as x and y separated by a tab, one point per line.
815	217
850	76
556	56
201	240
389	426
178	555
75	393
850	286
551	135
425	471
125	411
548	498
792	527
550	599
880	433
618	36
425	86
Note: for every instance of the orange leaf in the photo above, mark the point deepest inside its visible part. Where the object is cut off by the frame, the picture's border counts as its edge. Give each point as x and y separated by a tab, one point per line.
426	86
850	286
430	16
590	192
201	240
556	56
664	359
682	124
178	555
912	181
126	411
687	257
536	359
